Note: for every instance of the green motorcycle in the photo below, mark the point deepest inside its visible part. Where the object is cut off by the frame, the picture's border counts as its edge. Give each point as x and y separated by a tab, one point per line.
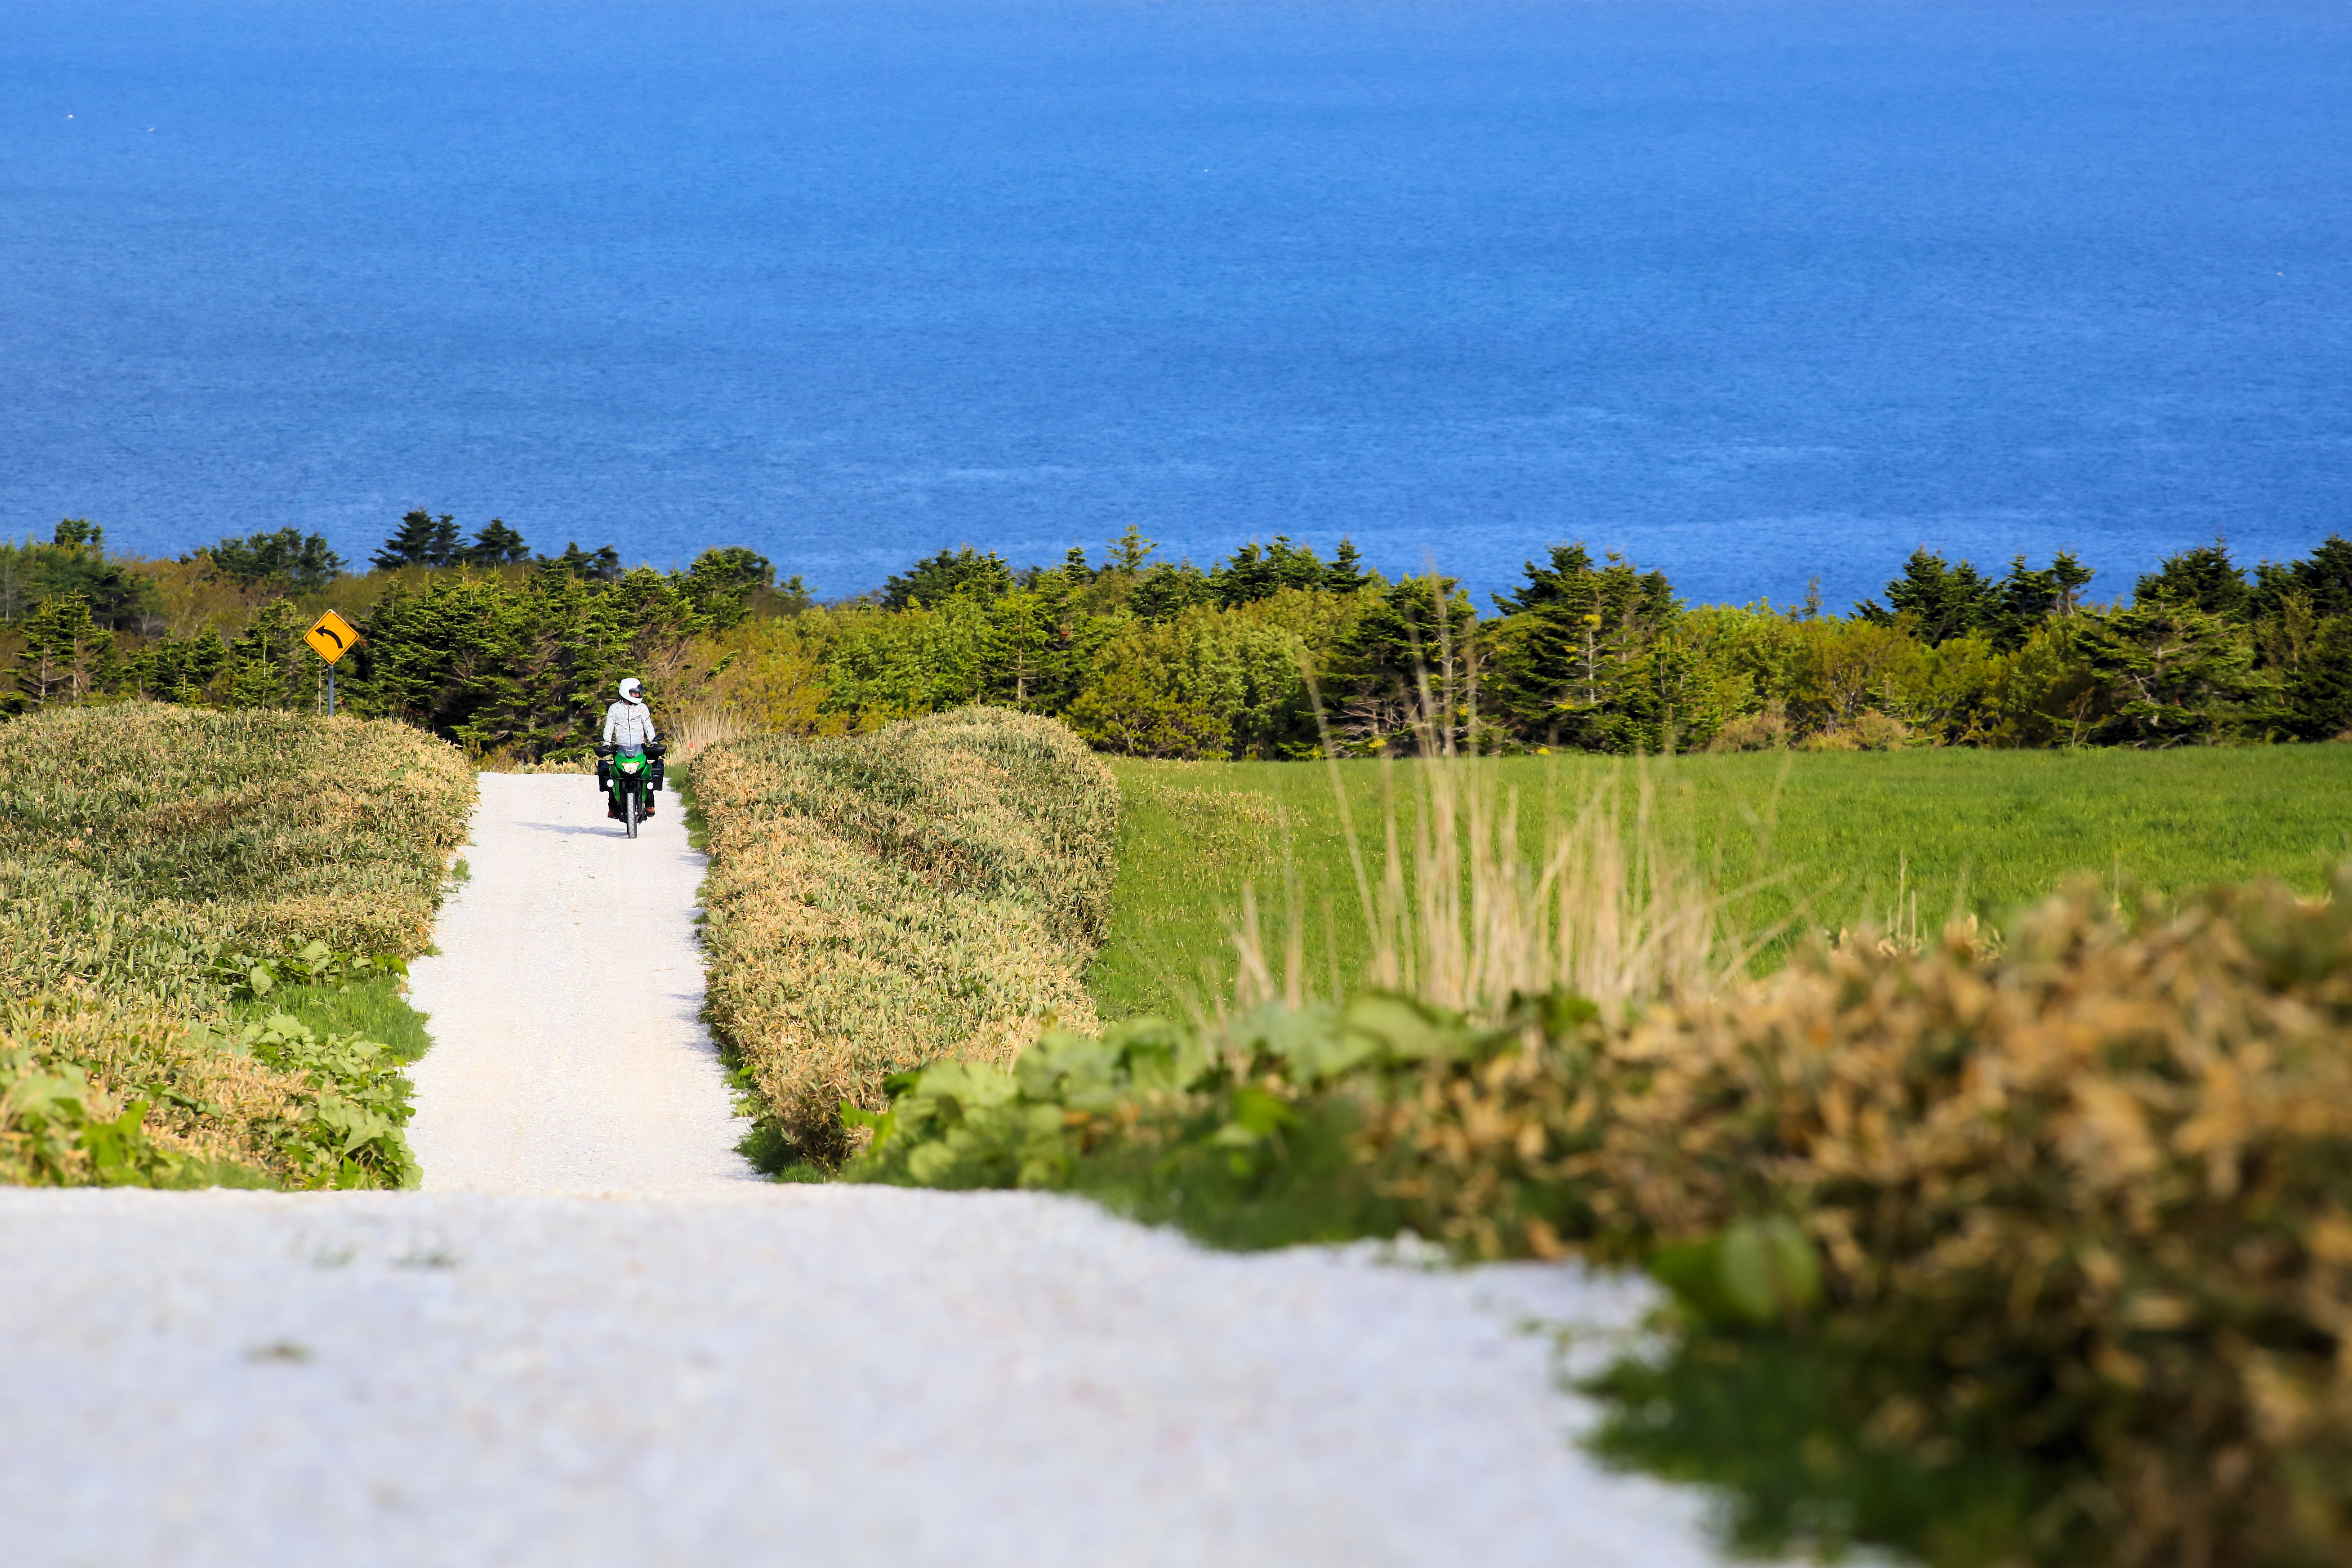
631	778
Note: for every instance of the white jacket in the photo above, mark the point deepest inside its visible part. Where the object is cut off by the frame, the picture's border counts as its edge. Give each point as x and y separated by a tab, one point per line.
629	726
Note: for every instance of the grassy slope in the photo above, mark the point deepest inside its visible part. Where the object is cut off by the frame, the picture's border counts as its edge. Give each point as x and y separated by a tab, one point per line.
136	840
1847	825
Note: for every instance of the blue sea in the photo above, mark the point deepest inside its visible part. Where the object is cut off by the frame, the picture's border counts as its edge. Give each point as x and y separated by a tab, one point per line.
1756	291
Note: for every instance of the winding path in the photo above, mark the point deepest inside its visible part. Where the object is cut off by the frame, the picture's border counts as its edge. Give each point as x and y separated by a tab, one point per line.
593	1341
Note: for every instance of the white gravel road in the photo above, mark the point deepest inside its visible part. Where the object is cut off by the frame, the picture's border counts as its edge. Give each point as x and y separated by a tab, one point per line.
615	1350
567	1056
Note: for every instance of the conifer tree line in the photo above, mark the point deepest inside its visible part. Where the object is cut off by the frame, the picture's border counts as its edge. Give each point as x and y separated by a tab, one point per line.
511	652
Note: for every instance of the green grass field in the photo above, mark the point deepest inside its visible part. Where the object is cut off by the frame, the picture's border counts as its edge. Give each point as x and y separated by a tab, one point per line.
370	1009
1987	830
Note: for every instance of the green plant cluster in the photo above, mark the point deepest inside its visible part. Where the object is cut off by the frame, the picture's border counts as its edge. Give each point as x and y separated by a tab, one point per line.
55	1131
1246	1131
345	1133
883	900
161	871
286	558
1605	659
74	563
251	976
2058	1238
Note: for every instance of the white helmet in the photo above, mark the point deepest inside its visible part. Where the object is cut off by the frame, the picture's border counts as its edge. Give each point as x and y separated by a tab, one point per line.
629	691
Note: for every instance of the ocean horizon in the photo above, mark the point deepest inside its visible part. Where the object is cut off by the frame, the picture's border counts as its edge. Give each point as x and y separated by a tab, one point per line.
1756	293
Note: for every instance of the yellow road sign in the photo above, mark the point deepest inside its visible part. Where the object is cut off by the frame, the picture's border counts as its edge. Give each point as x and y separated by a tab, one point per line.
331	636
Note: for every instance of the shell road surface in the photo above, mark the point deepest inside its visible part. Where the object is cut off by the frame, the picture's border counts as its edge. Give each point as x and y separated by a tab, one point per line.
607	1346
568	1054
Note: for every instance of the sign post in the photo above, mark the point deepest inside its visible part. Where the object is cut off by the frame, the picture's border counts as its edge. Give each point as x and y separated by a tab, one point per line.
332	637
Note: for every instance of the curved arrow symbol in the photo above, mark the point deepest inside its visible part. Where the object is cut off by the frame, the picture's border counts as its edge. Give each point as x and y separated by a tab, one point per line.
326	631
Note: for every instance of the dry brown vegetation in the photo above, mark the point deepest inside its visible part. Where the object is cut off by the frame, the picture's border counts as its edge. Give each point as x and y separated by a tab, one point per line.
2091	1199
140	842
878	902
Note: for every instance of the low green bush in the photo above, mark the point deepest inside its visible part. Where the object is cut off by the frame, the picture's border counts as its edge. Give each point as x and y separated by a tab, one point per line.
346	1132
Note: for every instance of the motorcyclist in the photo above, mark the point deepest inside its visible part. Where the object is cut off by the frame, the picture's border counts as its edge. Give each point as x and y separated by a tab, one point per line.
629	725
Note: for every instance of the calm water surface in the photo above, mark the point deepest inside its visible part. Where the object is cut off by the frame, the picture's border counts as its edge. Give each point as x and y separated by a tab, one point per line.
1756	291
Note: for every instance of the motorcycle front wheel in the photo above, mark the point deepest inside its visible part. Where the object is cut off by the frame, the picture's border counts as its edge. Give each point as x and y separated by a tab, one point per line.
632	814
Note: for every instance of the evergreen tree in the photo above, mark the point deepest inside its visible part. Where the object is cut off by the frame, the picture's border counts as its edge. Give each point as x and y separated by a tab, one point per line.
2072	578
1346	574
176	668
422	539
1037	641
1944	601
1419	633
2319	689
491	664
2026	599
2324	580
599	565
722	582
118	599
270	665
75	562
1574	659
2170	673
439	657
951	572
1129	552
288	559
1075	567
1166	591
495	545
1254	573
66	657
2203	579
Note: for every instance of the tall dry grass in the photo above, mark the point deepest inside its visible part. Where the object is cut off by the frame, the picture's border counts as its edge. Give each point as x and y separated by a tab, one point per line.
882	901
703	726
1464	916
